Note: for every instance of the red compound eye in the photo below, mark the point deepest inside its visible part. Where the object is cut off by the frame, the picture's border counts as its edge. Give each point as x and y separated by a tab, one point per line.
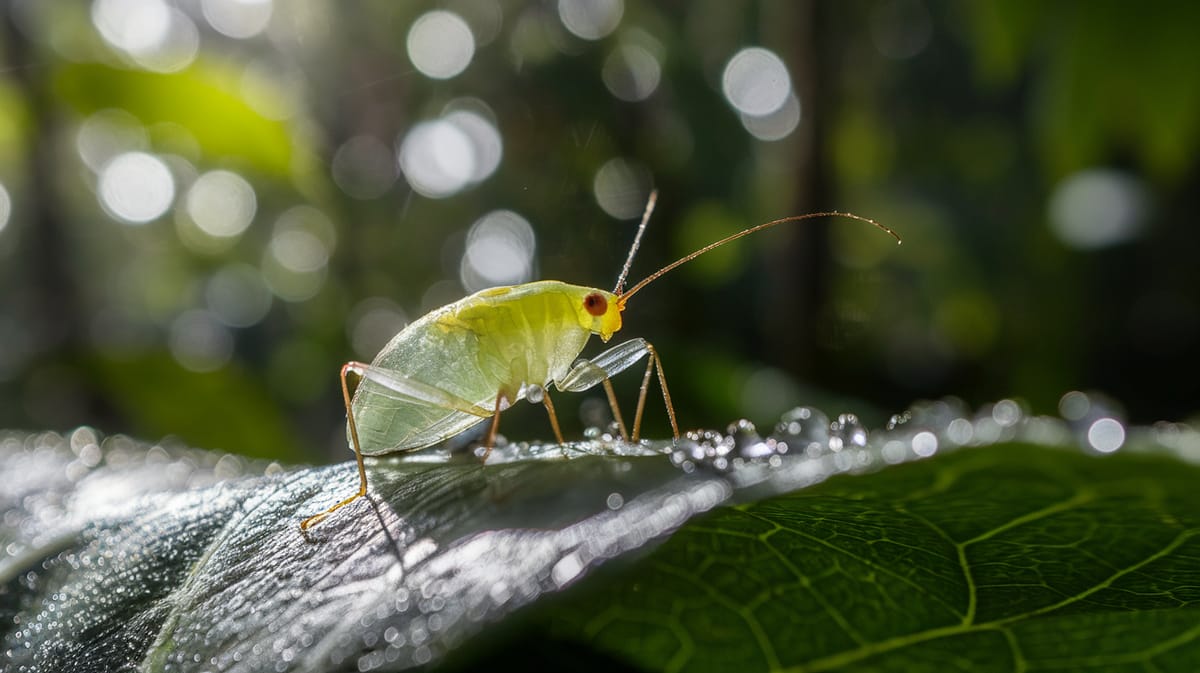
596	304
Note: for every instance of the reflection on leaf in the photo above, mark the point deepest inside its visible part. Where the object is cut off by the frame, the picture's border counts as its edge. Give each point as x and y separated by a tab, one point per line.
1006	556
221	577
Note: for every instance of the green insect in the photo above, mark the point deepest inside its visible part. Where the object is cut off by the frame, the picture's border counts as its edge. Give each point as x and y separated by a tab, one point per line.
473	359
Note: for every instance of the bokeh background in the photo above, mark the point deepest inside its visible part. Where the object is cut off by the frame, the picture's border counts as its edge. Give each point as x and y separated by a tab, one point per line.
206	206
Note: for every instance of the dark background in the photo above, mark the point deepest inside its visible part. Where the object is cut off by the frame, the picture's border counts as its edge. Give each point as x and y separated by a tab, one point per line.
1040	160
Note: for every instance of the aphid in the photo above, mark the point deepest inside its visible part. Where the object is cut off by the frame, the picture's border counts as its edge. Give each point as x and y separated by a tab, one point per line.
473	359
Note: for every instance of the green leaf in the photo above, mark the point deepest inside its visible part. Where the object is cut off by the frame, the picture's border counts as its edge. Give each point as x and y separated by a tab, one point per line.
202	99
119	556
1009	558
227	408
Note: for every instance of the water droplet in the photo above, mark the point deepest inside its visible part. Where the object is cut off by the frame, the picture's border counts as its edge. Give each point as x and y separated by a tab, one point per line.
803	425
846	431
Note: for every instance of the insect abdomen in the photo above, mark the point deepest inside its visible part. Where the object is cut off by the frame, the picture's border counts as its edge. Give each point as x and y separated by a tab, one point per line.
484	345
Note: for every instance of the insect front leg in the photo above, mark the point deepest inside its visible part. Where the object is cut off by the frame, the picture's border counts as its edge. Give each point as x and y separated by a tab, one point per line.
490	441
585	374
535	393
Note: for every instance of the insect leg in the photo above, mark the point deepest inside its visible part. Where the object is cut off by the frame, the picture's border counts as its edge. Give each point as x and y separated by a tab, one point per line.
616	409
588	373
553	416
655	363
491	435
356	367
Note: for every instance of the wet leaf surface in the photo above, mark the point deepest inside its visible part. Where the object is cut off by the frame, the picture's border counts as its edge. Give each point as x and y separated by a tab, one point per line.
995	556
97	577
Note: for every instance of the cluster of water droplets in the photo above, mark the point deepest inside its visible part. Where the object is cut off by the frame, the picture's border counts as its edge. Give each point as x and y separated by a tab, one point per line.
806	445
811	445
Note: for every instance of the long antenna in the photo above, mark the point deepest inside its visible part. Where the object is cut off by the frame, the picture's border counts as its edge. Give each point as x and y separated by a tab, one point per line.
637	241
624	296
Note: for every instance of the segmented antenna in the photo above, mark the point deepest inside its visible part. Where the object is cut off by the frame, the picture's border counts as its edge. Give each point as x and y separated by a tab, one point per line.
637	241
624	296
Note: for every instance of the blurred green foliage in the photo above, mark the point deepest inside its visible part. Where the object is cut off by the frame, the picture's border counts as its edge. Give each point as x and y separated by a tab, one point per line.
961	126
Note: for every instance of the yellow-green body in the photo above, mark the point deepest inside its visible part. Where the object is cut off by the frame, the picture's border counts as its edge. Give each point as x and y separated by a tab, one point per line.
482	350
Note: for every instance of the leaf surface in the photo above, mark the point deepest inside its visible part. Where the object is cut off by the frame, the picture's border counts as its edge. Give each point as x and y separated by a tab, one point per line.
1011	558
116	555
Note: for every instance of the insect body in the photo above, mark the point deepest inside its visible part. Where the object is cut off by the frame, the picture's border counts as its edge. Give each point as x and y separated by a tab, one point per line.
472	359
476	357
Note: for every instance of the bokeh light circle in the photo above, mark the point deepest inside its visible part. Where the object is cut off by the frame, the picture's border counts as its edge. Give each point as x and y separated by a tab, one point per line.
437	158
621	187
925	443
631	73
178	48
776	125
295	262
5	207
299	251
221	203
199	342
133	26
440	44
372	323
486	145
363	167
151	33
1106	435
756	82
107	133
900	29
239	19
591	19
136	187
500	251
1096	208
1074	405
237	295
443	156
